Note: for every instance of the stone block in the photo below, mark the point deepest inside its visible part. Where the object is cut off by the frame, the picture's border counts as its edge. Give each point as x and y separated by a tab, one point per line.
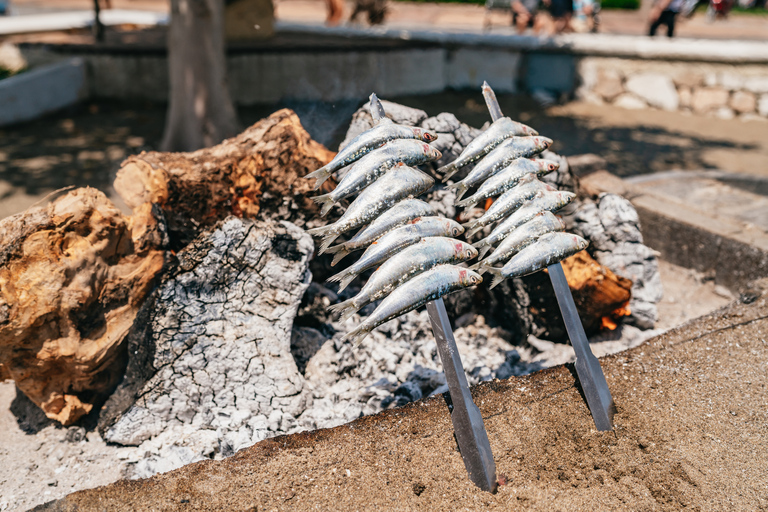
656	89
46	89
685	95
608	84
757	84
762	105
467	68
724	113
555	73
688	78
630	101
708	98
731	81
743	102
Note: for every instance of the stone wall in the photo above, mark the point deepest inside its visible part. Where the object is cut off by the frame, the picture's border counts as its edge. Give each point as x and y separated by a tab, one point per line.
713	89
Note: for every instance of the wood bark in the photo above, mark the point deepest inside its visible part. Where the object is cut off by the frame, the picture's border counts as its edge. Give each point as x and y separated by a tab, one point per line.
262	167
200	112
72	278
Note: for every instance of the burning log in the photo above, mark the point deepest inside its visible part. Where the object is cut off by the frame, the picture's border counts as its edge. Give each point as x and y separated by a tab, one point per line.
262	168
72	278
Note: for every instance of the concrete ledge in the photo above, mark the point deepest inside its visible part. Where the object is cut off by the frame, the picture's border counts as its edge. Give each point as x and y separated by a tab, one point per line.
39	91
733	253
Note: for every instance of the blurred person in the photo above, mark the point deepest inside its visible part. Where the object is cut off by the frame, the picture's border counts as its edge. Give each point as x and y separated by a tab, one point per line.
524	15
561	12
664	12
335	12
3	7
585	15
376	9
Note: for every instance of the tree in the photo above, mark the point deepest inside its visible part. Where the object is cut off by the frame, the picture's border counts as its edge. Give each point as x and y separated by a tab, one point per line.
200	111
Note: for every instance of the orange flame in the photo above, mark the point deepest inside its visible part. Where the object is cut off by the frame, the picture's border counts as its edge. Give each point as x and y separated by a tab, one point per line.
488	203
609	322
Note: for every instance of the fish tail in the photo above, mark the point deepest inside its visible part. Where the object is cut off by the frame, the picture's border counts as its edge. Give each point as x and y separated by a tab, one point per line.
318	231
449	171
320	175
326	201
357	336
481	270
339	253
461	190
474	230
342	307
483	251
326	243
469	202
344	281
476	266
498	277
351	310
338	277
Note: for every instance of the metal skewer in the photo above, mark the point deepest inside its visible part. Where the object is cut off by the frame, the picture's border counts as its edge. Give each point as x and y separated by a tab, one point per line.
471	436
588	370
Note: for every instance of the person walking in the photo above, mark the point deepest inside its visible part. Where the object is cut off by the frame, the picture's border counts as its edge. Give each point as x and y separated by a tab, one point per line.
664	12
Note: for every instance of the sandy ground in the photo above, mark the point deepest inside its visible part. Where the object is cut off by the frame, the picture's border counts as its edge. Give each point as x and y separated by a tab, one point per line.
42	461
690	433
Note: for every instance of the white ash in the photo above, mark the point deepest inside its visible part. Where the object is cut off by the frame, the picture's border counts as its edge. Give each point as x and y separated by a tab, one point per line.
224	376
612	226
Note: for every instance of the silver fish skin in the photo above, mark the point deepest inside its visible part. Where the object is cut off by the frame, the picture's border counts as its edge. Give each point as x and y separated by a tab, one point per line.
430	285
367	142
399	183
544	201
397	239
502	156
401	267
373	165
509	201
522	237
508	178
547	250
401	213
500	130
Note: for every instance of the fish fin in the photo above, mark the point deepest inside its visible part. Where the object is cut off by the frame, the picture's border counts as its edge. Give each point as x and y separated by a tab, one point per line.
356	336
483	251
337	277
318	231
498	277
344	281
349	312
327	241
342	307
474	230
320	175
461	190
476	266
468	202
449	171
339	253
326	202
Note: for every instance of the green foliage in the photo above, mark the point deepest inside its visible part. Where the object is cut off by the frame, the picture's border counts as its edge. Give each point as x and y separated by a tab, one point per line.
620	4
4	73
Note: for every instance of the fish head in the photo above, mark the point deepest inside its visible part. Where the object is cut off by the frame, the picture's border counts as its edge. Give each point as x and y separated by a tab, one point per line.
469	277
453	228
563	198
431	152
579	242
464	251
527	130
541	143
425	135
546	166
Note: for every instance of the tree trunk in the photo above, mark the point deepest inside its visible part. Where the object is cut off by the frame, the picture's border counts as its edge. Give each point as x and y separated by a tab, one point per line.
200	112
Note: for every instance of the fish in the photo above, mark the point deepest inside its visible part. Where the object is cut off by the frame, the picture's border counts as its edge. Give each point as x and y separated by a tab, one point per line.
544	201
547	250
401	213
508	178
519	239
401	267
365	143
502	156
500	130
373	165
397	239
509	201
431	285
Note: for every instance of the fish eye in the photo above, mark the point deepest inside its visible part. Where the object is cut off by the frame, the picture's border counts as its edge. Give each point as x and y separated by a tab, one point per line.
474	279
455	231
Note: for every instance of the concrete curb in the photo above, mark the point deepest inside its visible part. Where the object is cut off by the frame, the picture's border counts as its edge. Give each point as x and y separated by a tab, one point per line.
34	93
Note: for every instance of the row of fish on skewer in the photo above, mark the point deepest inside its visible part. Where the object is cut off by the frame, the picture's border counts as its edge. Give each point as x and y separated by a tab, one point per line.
528	236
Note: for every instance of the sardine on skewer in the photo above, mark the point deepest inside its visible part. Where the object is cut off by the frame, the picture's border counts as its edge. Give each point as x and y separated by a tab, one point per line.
500	130
545	201
520	238
389	244
509	201
373	165
430	285
547	250
509	177
367	142
401	267
398	183
502	156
